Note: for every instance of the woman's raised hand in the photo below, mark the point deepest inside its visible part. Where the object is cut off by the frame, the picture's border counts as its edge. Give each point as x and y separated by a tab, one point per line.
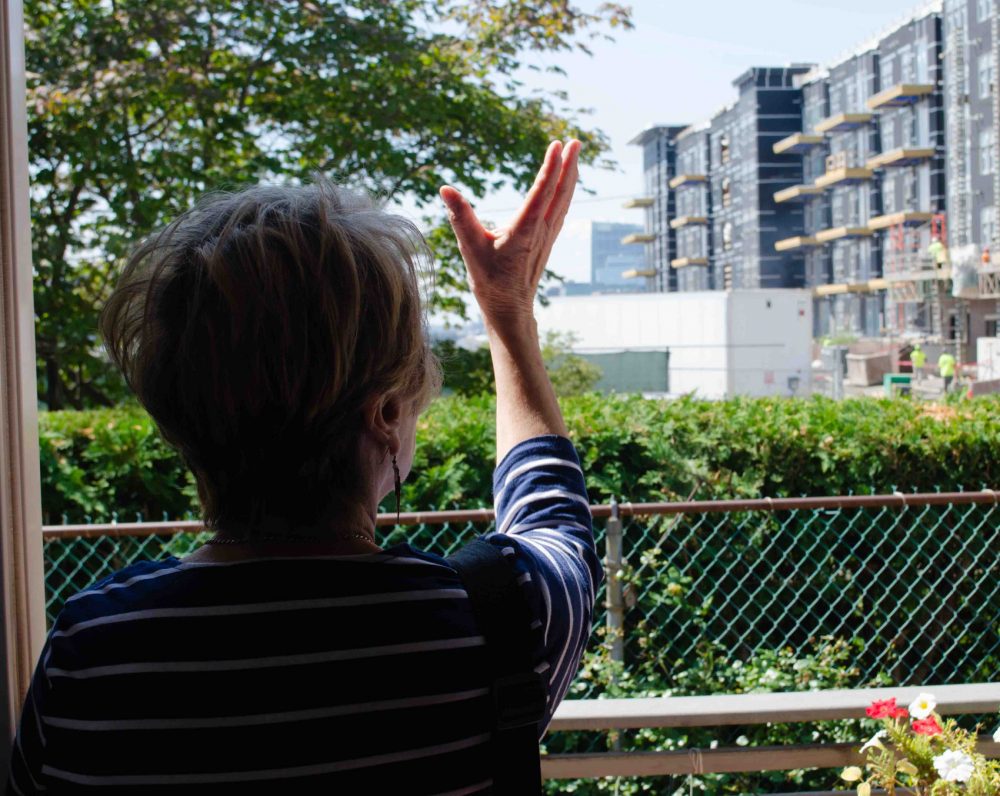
505	265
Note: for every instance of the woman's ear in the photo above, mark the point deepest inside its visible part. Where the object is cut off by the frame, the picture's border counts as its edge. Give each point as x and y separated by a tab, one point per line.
383	416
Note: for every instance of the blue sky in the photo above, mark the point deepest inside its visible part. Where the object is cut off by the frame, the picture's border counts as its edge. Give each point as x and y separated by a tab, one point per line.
677	67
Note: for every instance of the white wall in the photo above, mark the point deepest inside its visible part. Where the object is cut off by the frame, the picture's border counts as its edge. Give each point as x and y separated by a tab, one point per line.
771	341
720	343
988	358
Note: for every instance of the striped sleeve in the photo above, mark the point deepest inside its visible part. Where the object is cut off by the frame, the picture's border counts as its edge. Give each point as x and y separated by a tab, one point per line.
27	756
543	521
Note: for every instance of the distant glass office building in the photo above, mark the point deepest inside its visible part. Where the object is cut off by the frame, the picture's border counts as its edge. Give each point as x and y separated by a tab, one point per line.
610	259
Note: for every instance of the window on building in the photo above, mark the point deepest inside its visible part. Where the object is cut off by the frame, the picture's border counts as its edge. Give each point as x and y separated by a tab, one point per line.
906	71
724	149
889	198
923	70
886	70
910	194
985	74
727	235
727	192
984	9
988	226
987	151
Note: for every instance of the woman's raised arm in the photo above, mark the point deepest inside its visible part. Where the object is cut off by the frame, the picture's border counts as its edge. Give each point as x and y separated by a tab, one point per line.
504	268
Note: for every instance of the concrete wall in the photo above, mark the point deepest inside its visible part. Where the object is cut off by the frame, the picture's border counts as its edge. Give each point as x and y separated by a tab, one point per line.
719	343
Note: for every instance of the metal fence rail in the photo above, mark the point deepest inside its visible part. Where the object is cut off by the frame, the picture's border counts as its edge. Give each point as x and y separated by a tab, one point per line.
907	585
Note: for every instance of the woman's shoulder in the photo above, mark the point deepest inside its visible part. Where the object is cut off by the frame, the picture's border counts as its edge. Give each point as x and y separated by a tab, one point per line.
155	581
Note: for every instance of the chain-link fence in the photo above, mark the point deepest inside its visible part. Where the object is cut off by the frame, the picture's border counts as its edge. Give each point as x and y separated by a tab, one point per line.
790	594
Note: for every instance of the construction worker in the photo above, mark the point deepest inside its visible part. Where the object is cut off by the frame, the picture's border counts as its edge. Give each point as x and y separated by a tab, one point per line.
986	257
918	358
938	251
946	367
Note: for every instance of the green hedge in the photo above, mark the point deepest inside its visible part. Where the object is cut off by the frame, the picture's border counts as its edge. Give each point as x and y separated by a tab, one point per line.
96	463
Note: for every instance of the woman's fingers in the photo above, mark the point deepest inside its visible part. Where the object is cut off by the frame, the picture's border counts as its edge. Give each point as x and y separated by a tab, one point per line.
468	229
537	202
568	176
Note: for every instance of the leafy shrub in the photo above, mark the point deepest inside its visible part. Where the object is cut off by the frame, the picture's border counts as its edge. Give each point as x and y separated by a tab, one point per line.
97	462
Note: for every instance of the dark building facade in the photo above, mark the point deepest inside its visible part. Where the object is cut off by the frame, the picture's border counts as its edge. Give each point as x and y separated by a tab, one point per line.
693	204
745	173
659	159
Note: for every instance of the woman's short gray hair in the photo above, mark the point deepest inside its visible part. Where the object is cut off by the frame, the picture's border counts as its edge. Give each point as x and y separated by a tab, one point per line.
254	326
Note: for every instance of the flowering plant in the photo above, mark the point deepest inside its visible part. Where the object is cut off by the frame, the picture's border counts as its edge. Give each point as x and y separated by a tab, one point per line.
917	750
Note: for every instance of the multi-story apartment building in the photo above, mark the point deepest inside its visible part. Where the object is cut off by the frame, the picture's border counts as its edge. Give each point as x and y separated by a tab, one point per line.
872	146
745	172
694	204
659	161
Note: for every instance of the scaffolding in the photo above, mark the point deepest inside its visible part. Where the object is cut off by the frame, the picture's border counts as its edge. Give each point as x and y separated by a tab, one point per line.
918	285
959	191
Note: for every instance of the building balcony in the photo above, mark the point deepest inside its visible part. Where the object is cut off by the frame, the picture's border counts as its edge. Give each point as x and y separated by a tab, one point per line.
641	201
843	122
797	144
635	273
798	242
685	262
797	193
900	157
687	179
845	175
909	218
900	95
871	286
841	233
639	237
687	221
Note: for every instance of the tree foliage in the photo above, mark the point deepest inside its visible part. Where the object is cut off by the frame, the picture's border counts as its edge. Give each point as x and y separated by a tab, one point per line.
136	107
470	372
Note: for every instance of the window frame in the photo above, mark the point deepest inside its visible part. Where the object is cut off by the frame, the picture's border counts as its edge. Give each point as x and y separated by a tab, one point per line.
20	494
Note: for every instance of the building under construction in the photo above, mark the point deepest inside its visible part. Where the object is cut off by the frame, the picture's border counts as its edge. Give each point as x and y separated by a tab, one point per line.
874	181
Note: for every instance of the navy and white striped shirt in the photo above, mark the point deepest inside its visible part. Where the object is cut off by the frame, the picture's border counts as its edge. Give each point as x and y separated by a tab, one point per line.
341	674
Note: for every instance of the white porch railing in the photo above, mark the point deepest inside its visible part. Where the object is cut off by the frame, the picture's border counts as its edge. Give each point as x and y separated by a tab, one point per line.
742	709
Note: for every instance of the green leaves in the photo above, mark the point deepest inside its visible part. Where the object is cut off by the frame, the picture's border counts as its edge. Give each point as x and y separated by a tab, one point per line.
632	448
139	106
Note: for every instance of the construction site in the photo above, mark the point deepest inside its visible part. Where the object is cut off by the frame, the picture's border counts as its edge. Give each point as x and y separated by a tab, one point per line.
873	182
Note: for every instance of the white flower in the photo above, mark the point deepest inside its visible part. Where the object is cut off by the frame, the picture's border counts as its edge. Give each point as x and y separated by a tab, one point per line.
742	741
953	766
922	706
874	741
996	736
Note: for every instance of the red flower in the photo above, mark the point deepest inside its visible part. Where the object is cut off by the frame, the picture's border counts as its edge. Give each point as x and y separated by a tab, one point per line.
882	709
928	726
900	713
